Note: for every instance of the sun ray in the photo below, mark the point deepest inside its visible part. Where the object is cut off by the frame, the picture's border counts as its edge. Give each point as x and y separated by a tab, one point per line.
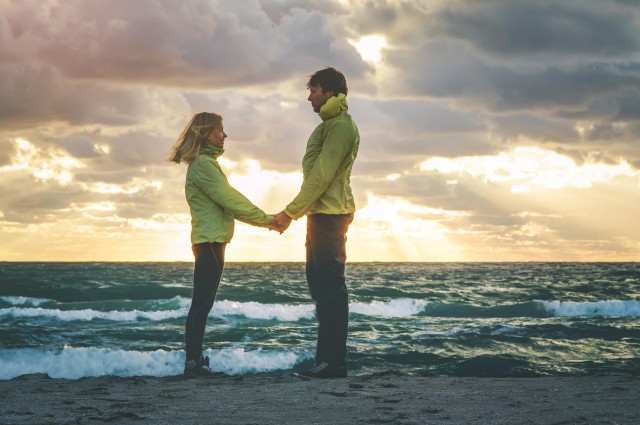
370	47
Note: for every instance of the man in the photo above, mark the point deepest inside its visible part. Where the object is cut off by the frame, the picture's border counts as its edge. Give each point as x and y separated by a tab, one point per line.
326	198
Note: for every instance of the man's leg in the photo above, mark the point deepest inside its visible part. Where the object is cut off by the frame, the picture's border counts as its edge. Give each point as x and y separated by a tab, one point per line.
326	258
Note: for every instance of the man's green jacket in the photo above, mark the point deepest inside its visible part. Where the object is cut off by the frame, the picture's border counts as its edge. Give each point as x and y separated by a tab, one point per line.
331	150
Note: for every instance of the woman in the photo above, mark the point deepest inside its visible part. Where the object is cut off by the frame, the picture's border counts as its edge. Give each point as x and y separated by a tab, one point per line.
214	205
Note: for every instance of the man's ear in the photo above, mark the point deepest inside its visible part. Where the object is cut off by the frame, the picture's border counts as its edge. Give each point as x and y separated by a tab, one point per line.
329	93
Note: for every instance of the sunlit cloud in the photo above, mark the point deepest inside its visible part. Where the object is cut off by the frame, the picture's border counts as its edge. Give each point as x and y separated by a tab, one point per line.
397	216
532	229
50	164
398	230
370	47
530	167
102	148
163	222
134	186
106	206
392	177
268	189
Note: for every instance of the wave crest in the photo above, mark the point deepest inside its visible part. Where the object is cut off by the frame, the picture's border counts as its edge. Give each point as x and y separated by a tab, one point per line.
629	308
74	363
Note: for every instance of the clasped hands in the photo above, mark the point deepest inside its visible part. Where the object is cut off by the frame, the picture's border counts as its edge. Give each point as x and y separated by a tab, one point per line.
281	222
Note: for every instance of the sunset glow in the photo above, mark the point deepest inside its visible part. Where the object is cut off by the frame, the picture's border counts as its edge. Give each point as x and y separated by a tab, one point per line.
370	47
480	140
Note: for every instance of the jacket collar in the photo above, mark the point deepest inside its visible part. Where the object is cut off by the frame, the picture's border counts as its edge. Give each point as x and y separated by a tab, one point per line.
333	107
213	151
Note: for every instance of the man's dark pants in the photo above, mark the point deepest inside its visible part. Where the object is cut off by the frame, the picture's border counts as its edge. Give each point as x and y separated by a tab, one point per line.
326	258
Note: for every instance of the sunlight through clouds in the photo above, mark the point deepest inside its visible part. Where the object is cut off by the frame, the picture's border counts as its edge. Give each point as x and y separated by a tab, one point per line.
370	47
270	190
398	230
95	206
393	216
531	167
163	222
136	185
52	164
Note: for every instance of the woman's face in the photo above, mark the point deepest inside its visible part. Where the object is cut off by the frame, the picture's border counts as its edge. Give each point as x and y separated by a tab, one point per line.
217	135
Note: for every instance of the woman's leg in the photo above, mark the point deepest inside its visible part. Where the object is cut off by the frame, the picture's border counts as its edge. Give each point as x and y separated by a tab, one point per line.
209	262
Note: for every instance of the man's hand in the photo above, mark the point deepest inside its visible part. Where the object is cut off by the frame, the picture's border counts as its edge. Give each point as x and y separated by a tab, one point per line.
281	222
275	227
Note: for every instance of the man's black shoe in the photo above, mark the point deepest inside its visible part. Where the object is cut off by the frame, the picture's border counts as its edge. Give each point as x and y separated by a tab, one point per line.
193	369
325	371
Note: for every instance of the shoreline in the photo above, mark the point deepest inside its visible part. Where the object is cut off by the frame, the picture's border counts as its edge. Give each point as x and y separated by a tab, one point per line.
286	399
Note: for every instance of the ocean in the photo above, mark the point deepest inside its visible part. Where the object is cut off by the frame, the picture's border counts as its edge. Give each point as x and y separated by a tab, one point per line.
73	320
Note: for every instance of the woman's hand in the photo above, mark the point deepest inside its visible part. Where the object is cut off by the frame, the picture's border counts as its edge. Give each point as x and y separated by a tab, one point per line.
281	222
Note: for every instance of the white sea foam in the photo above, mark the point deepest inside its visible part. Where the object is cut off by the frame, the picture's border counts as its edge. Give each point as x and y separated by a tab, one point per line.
89	314
176	285
237	361
401	307
24	300
73	363
256	310
224	308
629	308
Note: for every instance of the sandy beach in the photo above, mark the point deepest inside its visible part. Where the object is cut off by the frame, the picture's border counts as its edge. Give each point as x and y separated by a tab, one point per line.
286	399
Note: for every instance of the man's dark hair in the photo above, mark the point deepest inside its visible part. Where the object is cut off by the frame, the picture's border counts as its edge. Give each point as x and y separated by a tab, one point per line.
329	79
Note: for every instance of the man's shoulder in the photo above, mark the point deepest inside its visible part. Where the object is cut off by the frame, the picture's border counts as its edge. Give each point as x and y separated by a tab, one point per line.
341	123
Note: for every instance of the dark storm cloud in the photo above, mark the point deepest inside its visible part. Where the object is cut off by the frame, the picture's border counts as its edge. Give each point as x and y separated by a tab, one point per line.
398	134
196	43
70	61
530	71
137	148
40	202
34	94
458	74
430	117
535	127
623	107
567	27
79	147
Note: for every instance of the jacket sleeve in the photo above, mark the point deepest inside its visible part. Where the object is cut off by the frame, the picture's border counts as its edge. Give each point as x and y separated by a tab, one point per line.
336	146
209	178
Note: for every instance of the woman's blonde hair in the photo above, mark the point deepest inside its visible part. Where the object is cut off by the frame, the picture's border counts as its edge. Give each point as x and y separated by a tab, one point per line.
193	137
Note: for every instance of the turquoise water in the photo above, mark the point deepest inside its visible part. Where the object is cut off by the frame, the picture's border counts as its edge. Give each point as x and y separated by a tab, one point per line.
464	319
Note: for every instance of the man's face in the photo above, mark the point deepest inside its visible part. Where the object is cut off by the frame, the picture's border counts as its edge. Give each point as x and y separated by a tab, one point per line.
317	97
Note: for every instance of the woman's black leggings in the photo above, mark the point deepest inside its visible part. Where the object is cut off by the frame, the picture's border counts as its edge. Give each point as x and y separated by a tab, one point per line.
209	262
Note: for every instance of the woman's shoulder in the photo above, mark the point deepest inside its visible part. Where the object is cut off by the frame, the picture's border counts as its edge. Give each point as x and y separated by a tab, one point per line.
201	162
203	159
204	166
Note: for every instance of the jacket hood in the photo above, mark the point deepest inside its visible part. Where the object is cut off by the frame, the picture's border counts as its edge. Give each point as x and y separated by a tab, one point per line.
213	151
333	107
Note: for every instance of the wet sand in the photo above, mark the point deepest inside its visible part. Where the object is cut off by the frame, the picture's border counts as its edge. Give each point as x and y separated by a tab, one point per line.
286	399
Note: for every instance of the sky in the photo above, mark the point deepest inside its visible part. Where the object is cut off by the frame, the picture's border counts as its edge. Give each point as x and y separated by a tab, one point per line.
490	130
